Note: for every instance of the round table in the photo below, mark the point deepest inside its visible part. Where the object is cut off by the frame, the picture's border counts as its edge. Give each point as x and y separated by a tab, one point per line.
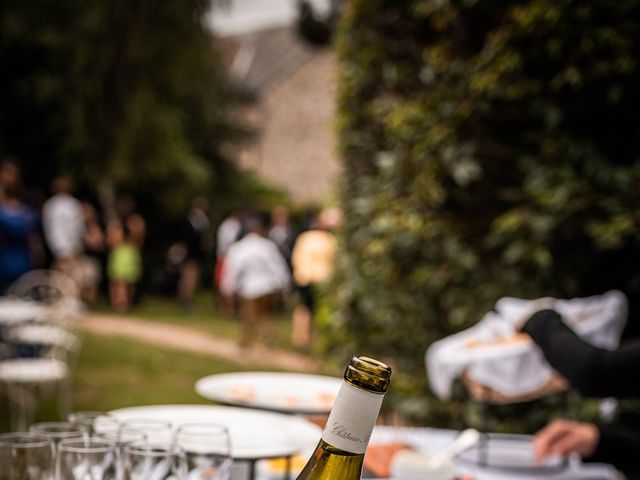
255	435
295	393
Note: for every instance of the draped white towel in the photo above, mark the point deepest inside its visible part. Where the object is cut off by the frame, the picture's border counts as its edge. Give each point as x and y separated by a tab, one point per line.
519	368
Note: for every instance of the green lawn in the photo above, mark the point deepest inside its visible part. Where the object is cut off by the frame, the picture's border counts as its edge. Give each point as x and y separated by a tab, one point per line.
114	372
203	316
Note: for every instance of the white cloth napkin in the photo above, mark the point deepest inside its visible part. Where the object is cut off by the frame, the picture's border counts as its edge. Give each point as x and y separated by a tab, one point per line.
520	368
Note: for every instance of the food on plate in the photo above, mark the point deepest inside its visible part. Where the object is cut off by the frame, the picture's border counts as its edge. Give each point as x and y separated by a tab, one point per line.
379	456
325	399
289	401
514	339
243	393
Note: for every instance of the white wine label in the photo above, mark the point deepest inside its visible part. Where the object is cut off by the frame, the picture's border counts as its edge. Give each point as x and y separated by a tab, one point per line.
352	419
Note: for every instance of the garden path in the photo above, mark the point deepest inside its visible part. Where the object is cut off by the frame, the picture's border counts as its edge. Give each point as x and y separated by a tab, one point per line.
192	340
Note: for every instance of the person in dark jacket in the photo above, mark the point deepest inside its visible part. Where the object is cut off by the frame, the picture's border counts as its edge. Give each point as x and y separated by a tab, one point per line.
195	241
593	372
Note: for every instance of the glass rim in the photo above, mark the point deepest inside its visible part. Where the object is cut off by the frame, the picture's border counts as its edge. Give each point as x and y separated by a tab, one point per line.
58	429
90	445
111	427
203	437
89	416
144	422
153	449
116	435
37	440
182	428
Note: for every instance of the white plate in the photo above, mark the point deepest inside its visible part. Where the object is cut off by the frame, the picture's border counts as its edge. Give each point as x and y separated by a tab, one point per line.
254	434
276	391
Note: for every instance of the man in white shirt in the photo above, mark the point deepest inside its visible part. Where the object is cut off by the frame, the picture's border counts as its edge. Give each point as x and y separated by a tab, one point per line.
254	271
63	223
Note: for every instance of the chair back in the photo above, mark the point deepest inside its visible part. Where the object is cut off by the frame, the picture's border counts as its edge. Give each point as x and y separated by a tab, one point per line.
50	287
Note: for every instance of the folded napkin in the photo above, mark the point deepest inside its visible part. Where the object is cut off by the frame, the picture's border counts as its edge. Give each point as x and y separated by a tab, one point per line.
492	352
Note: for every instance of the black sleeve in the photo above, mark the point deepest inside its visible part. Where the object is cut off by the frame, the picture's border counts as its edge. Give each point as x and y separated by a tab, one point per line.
617	446
590	370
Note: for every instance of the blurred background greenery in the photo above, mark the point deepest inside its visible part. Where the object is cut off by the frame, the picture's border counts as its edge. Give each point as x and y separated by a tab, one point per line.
124	97
488	148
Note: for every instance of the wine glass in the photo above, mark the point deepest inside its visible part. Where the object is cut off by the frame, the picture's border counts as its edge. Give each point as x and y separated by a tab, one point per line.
26	456
86	459
121	435
157	431
208	450
90	419
154	461
58	431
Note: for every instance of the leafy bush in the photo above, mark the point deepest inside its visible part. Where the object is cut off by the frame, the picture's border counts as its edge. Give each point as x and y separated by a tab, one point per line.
491	148
120	95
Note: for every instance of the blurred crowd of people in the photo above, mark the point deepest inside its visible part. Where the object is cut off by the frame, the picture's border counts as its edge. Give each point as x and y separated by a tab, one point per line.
67	234
259	263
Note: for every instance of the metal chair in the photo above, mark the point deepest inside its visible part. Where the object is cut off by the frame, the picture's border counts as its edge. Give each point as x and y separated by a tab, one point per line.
22	377
45	286
53	289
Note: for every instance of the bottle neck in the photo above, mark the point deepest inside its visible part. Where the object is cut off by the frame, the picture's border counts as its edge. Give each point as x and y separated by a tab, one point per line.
368	373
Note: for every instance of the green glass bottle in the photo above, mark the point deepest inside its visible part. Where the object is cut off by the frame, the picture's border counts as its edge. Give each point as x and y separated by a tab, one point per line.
340	452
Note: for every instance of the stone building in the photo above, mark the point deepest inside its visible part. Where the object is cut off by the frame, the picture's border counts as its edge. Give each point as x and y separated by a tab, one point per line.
295	113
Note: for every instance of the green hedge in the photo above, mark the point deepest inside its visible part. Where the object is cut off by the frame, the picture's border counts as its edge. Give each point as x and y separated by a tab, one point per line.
125	95
491	148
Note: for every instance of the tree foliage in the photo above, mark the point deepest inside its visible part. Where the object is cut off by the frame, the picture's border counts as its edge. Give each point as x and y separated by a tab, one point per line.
491	148
130	94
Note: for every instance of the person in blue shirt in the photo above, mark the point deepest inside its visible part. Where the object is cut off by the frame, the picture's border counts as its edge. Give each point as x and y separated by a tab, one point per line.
18	225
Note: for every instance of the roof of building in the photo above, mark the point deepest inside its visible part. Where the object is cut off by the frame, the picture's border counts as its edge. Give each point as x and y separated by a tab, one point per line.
240	17
266	58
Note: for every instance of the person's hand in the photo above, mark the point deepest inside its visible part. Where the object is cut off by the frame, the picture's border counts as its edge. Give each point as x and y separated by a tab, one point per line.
562	437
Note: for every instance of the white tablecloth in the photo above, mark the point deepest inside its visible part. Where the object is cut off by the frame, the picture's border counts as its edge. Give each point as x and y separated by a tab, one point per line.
429	440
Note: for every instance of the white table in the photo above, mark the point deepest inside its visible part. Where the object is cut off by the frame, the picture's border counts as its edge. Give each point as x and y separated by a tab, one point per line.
259	435
295	393
255	435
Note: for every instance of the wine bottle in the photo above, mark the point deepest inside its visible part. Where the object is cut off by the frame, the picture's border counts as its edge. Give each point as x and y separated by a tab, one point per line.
340	452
